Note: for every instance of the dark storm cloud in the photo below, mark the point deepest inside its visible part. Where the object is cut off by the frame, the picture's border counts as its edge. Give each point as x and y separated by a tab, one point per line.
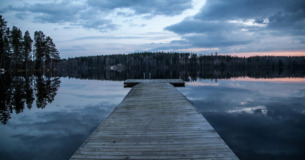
239	9
282	14
152	7
213	26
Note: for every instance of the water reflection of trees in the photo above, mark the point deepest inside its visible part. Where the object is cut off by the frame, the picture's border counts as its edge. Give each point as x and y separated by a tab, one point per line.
46	88
185	74
19	92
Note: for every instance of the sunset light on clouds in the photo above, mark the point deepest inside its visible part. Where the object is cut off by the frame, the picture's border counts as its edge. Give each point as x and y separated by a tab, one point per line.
270	53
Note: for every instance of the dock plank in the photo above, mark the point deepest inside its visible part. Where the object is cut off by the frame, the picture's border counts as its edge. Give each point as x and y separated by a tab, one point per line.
154	121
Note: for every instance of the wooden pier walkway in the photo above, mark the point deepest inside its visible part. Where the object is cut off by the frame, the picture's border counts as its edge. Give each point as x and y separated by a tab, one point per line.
174	82
154	121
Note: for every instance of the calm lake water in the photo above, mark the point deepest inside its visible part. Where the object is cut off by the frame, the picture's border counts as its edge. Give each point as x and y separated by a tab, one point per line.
257	118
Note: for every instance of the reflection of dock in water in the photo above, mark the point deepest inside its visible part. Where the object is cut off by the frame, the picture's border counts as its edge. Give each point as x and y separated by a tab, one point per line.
154	121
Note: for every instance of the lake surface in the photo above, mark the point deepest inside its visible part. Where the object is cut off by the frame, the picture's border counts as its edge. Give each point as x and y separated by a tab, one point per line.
257	118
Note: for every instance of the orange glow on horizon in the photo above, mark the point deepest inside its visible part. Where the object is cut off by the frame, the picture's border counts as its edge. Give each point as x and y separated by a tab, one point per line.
269	79
248	79
273	53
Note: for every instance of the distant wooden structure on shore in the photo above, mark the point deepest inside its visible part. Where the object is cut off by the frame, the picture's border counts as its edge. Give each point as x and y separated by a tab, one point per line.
154	121
2	70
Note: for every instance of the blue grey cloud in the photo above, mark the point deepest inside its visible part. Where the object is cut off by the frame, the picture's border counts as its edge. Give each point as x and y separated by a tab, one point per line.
105	37
64	12
91	14
201	33
101	24
240	9
213	27
281	14
151	7
51	12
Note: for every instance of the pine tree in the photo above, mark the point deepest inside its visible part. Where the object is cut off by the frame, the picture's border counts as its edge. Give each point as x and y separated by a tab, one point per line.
3	43
17	46
45	51
27	48
51	52
39	49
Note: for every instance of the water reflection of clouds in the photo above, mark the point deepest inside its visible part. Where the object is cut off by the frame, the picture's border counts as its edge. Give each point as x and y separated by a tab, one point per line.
59	129
250	110
221	93
243	103
93	90
257	119
61	132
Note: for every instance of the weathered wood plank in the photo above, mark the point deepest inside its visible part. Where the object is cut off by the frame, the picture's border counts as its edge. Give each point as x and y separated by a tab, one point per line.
154	121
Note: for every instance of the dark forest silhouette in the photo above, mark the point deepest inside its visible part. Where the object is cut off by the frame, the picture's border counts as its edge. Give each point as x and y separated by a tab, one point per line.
187	66
16	49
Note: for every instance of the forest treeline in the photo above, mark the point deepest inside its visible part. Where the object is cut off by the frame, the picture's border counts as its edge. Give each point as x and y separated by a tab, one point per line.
183	65
19	54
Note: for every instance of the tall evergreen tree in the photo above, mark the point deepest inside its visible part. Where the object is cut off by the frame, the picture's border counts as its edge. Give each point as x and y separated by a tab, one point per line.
27	47
54	53
7	43
51	52
39	50
3	42
17	45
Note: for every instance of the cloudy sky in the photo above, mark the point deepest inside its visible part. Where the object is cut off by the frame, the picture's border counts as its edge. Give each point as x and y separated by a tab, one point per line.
95	27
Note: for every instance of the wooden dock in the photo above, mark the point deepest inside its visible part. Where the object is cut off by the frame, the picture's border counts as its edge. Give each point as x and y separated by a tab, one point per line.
154	121
174	82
